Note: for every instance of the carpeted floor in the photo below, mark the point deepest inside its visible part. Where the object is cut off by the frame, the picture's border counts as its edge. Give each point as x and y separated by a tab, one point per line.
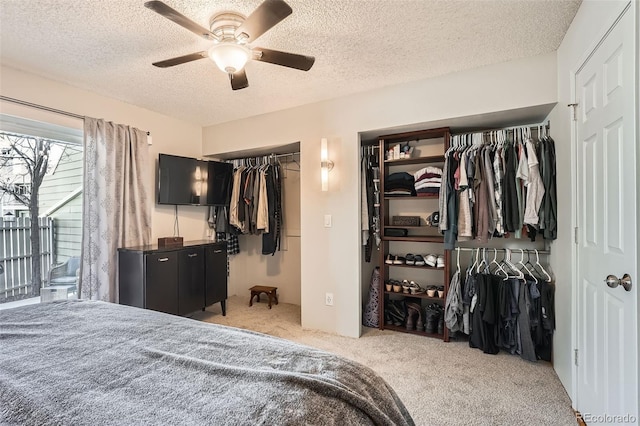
440	383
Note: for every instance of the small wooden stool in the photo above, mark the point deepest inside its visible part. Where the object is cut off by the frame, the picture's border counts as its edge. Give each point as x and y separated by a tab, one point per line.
269	291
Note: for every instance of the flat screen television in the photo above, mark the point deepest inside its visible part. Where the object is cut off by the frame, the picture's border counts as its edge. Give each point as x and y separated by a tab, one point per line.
188	181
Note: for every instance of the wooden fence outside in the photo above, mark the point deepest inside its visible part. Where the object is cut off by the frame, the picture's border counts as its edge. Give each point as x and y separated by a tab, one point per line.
16	255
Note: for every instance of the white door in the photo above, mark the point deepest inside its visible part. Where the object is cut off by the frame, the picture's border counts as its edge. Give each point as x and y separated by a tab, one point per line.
607	370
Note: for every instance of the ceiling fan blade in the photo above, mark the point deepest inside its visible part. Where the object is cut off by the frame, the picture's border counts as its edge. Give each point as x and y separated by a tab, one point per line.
180	19
239	80
266	16
291	60
180	60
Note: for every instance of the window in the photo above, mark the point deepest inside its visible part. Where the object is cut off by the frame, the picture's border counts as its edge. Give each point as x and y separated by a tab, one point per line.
31	152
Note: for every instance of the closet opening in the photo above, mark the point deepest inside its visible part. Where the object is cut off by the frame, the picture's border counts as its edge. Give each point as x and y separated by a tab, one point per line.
513	245
262	261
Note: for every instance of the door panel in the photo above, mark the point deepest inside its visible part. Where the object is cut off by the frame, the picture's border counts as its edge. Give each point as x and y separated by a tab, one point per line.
216	274
591	341
161	290
589	181
614	208
191	280
607	369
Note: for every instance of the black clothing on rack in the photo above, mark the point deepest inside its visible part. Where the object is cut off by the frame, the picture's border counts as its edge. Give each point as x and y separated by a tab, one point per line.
271	239
371	175
511	213
516	315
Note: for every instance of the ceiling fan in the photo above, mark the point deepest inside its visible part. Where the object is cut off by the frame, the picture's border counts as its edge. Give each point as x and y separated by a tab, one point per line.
231	34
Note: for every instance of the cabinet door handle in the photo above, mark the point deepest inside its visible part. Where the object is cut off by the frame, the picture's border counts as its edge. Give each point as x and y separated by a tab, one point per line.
217	251
163	259
192	254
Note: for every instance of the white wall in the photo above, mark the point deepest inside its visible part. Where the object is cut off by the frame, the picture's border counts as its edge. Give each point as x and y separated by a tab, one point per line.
170	135
587	27
331	256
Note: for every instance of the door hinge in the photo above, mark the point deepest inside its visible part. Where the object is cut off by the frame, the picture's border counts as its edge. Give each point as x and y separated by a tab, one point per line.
575	235
575	357
574	107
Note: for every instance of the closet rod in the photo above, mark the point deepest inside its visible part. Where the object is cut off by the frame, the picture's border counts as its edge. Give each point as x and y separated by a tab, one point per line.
266	155
547	125
513	250
42	107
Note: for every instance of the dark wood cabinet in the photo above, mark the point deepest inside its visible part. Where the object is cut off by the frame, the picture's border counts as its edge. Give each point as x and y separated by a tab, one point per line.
191	280
216	275
176	280
426	149
160	279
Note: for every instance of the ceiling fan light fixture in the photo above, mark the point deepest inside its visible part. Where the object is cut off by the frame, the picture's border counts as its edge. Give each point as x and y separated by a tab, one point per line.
229	57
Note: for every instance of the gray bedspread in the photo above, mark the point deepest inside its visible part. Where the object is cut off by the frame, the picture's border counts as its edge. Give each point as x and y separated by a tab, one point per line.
96	363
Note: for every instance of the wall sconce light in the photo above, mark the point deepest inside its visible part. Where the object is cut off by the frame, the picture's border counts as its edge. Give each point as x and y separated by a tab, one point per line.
325	164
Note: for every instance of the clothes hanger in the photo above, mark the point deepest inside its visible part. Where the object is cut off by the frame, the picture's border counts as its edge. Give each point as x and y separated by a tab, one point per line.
498	266
548	277
458	260
521	263
473	262
511	266
482	261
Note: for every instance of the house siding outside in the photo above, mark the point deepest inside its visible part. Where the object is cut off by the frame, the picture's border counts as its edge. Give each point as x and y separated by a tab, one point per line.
65	180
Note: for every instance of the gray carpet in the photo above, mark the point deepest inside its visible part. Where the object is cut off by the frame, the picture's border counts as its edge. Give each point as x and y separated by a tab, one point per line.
440	383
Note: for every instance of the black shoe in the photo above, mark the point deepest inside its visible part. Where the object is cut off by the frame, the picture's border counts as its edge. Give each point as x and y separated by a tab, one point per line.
433	312
387	318
398	315
415	309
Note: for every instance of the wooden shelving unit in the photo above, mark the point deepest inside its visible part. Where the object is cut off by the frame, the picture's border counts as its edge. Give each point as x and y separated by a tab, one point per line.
435	143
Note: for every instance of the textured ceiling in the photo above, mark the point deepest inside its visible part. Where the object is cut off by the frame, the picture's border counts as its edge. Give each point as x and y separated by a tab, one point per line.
107	46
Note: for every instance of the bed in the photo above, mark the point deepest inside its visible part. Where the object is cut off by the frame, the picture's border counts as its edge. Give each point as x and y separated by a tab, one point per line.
94	363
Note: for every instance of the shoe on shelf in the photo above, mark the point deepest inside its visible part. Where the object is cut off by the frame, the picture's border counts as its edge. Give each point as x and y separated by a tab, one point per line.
397	311
406	289
432	314
388	286
415	288
397	288
431	260
389	259
414	309
387	317
440	289
418	260
410	259
432	291
440	261
399	260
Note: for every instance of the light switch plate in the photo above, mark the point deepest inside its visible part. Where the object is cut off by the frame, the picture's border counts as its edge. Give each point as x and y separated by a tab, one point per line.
327	221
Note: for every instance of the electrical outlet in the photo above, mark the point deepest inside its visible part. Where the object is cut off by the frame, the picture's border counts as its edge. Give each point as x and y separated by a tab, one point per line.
328	299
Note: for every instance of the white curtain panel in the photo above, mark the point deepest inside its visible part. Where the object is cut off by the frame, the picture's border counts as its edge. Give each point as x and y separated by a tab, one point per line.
116	206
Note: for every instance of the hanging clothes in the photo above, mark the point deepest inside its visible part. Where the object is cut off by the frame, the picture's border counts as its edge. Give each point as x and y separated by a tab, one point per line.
234	218
535	187
370	201
511	197
218	221
454	308
255	207
549	209
271	239
498	184
507	313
